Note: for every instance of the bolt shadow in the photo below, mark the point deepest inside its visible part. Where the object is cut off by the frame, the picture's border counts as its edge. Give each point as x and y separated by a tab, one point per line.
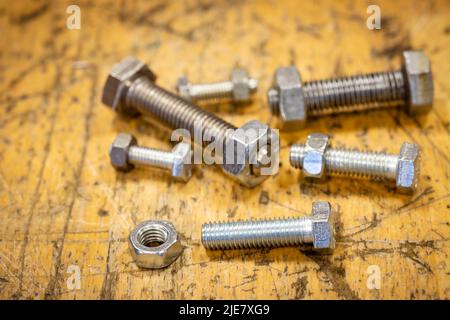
346	187
393	120
265	257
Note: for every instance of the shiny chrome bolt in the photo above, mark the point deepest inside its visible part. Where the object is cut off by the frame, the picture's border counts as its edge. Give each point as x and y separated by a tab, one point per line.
316	229
125	153
238	89
130	89
411	87
317	159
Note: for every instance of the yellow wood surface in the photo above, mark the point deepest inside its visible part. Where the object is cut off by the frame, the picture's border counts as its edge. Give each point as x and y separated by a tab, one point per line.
63	206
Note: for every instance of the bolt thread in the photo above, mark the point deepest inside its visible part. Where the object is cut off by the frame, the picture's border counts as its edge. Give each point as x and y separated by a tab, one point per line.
354	93
273	98
148	98
257	233
353	163
150	157
211	91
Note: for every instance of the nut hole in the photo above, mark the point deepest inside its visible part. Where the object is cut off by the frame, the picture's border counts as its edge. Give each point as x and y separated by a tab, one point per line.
153	237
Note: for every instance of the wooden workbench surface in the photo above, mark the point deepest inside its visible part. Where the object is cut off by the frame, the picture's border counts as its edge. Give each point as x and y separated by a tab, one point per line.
64	209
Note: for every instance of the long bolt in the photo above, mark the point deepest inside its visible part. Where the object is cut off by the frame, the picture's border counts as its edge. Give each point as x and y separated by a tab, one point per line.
316	229
317	159
411	87
125	153
349	94
130	89
238	89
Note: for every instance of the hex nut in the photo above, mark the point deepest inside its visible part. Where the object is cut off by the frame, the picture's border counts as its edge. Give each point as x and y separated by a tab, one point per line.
323	225
243	150
408	168
291	107
314	156
154	244
118	152
243	86
119	80
182	166
419	82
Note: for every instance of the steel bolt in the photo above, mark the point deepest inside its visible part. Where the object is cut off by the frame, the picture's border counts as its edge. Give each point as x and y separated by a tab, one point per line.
316	229
410	87
317	159
130	89
238	89
125	153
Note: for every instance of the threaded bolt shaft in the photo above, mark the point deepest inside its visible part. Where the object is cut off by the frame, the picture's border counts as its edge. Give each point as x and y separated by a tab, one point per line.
317	159
151	157
354	93
238	89
254	234
147	97
316	229
211	91
352	163
349	94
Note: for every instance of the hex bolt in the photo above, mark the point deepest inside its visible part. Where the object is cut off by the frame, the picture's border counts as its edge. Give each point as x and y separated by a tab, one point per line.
317	159
239	89
125	153
316	229
130	89
411	87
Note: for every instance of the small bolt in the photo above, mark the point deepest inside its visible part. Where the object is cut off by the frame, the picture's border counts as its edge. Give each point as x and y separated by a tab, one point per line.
125	153
317	159
238	89
316	229
293	101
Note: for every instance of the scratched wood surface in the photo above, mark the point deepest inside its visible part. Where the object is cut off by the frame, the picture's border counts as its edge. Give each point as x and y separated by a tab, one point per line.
64	208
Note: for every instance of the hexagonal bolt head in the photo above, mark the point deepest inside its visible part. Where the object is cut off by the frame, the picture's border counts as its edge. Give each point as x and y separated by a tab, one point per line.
118	152
323	225
120	79
419	82
155	244
408	166
314	157
183	88
243	85
290	102
245	149
182	167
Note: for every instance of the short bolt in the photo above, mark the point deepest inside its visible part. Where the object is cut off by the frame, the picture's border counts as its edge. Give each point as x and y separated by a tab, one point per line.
317	159
125	153
239	89
130	89
316	229
411	87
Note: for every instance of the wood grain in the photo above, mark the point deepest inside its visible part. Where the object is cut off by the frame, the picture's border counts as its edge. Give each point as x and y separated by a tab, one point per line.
63	205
